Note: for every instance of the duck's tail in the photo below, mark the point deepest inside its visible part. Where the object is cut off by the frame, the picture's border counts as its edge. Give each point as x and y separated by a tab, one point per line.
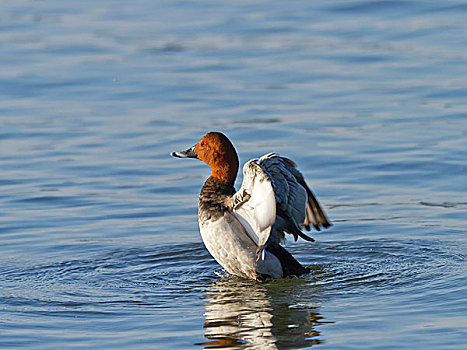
290	266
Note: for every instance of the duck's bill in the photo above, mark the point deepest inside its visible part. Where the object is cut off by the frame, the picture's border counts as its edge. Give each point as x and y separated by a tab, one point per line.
189	153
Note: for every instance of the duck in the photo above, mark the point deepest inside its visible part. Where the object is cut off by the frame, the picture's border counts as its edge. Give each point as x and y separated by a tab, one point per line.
245	230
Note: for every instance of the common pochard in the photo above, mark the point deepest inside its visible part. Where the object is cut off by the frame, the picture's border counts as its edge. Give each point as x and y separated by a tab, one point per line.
243	230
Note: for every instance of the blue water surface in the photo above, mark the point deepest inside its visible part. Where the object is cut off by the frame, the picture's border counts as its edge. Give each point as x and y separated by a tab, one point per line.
99	241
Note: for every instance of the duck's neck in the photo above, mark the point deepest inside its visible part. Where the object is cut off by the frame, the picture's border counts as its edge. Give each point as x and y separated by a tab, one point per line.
225	174
225	169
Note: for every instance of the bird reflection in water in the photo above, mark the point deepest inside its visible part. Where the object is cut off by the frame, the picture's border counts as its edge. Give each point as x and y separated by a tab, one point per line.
245	314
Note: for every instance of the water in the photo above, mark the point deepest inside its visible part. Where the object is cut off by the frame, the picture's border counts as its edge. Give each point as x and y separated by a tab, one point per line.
99	245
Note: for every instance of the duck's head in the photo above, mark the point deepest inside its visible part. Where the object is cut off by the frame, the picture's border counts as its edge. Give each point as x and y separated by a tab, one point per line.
216	150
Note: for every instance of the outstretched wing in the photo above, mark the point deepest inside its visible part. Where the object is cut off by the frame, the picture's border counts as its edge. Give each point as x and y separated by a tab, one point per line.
254	204
274	199
296	204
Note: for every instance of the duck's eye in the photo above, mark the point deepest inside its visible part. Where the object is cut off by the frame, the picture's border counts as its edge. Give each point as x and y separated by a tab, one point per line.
204	143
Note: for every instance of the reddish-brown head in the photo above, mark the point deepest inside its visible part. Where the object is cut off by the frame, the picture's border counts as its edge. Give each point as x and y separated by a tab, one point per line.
216	150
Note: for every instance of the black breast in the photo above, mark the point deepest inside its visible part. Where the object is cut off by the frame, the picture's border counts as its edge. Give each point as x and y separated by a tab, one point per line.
215	199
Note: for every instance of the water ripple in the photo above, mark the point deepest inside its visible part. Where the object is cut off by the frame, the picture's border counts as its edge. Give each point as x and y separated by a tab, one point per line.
121	282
